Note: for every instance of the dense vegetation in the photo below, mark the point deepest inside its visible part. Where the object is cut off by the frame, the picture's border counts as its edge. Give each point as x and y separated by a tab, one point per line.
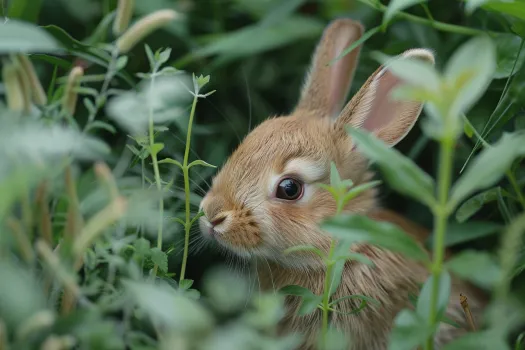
111	130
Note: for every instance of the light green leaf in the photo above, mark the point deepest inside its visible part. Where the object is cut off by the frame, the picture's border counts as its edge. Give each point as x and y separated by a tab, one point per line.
356	191
409	331
171	161
398	5
425	296
304	248
18	36
515	8
335	178
185	284
489	166
472	205
469	72
477	267
200	162
361	229
400	172
160	258
156	148
507	61
142	247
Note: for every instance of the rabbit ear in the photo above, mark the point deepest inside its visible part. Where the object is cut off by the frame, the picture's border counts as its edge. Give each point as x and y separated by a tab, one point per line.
326	86
373	109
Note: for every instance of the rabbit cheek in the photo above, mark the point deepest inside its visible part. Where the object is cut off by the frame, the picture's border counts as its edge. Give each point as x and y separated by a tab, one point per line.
243	232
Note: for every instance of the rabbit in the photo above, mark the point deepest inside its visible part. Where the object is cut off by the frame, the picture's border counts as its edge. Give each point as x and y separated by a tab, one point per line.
264	199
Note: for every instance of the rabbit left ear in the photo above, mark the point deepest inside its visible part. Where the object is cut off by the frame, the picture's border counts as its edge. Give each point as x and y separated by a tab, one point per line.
373	109
326	86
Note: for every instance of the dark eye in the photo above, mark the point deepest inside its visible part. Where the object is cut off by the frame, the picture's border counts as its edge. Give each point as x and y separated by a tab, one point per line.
289	189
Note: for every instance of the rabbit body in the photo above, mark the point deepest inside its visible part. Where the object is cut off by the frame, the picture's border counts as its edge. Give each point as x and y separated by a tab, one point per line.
264	199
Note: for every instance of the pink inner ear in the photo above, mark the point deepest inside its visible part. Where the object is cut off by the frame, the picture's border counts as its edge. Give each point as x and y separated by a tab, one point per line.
383	110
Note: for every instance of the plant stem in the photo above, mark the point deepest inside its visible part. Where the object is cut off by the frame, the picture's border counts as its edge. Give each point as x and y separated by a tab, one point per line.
185	171
326	296
441	213
155	166
445	27
516	187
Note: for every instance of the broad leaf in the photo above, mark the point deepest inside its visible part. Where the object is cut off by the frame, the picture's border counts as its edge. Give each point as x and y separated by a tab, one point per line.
18	36
361	229
477	267
160	258
463	232
425	296
308	305
508	49
472	205
489	166
400	172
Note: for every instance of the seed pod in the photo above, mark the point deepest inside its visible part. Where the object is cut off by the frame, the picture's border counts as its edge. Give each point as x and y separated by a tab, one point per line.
144	27
37	91
13	89
124	13
25	84
69	101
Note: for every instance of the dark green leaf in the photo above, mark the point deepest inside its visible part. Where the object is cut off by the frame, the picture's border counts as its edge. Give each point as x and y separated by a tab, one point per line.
507	51
309	304
489	166
400	172
361	229
27	10
160	258
18	36
472	205
463	232
477	267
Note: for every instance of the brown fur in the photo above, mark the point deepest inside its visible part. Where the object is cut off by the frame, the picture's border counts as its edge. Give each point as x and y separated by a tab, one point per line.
255	224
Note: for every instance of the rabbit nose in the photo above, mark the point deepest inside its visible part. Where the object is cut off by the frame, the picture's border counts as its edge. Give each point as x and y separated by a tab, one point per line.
217	221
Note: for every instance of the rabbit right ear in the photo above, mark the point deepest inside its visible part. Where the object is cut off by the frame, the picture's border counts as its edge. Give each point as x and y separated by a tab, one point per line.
326	86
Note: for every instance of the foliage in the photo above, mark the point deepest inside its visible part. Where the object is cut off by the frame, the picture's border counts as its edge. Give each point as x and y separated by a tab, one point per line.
98	226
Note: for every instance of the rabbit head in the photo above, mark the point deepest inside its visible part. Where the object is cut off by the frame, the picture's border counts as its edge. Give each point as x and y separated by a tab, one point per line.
265	198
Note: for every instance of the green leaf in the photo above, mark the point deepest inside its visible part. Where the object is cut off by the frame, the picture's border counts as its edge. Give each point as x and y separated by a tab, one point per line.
472	205
356	191
367	35
335	178
398	5
508	62
142	247
477	267
356	296
400	172
280	12
361	229
185	284
309	304
463	232
163	56
469	72
27	10
425	296
200	162
489	166
472	5
483	340
18	36
297	291
409	331
97	124
513	8
160	258
363	259
304	248
336	276
156	148
171	161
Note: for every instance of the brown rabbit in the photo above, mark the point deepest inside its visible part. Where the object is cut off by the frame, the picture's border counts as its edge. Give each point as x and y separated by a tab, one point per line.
264	200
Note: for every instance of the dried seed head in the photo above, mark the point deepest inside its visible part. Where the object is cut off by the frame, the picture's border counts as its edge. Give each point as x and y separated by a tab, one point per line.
37	91
13	88
69	101
144	27
124	13
25	84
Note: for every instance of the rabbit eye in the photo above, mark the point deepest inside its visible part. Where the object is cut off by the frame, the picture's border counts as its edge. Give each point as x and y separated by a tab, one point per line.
289	189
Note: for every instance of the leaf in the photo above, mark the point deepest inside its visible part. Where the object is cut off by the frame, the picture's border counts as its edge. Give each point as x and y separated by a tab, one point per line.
472	205
304	248
400	172
156	148
476	267
18	36
142	247
185	284
469	72
483	340
97	124
160	259
513	8
335	178
297	291
409	331
171	161
367	35
472	5
356	191
200	162
336	276
425	296
507	60
398	5
361	229
363	259
356	296
463	232
489	166
27	10
308	305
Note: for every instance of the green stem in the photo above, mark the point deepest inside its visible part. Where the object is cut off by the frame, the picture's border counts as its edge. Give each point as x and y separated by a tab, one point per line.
516	187
326	296
155	169
441	213
185	171
445	27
